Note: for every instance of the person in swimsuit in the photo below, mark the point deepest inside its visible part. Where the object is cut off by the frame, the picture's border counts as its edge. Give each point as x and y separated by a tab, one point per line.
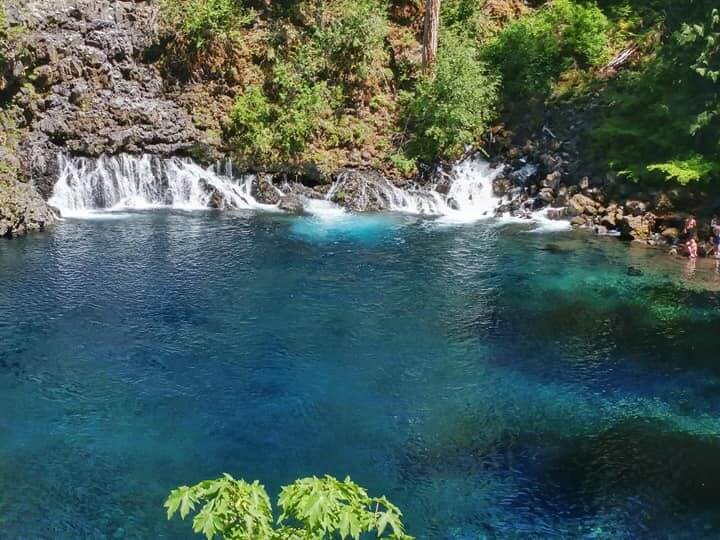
690	227
715	230
692	246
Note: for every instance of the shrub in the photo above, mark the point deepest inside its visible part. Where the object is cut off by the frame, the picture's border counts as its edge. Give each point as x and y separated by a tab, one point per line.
311	508
664	123
452	108
269	131
353	43
203	36
250	124
531	52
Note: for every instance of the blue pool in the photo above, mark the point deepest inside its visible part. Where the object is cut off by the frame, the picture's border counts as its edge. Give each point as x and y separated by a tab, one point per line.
492	379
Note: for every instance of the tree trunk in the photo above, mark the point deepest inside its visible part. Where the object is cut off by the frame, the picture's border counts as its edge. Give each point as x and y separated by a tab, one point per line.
430	33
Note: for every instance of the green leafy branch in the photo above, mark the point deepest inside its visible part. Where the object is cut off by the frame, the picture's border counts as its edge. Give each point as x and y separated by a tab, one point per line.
311	509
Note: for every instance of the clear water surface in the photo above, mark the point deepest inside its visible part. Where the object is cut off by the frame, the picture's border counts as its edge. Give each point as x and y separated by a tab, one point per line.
493	380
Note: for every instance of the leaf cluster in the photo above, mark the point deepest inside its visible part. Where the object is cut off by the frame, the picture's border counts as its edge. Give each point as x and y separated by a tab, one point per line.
531	52
311	509
204	37
664	122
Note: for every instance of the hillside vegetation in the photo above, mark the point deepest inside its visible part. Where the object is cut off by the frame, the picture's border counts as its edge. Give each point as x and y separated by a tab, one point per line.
339	81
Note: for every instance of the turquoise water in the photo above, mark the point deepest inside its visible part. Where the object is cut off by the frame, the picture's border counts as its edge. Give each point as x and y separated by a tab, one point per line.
492	380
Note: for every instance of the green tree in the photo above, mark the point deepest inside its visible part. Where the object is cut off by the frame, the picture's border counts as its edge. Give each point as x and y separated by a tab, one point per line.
531	52
311	509
664	123
453	106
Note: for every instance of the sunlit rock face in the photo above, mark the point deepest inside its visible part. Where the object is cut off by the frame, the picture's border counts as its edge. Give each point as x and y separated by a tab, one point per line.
22	209
97	95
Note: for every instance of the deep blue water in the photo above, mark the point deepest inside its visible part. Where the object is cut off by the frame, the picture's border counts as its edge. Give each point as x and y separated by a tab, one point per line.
493	382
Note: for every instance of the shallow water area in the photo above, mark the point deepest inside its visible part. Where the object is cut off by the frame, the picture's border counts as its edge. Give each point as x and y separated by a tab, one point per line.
495	379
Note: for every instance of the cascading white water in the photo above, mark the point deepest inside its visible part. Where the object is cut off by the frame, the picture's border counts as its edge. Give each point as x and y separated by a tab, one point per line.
136	182
469	196
86	186
471	192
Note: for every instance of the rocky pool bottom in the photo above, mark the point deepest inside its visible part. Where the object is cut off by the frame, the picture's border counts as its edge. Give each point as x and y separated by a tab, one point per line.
495	380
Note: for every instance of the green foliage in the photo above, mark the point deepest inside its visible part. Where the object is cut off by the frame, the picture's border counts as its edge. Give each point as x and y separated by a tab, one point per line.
402	163
453	107
685	171
707	36
325	507
312	509
198	23
467	18
664	123
265	130
204	38
312	73
231	509
353	43
532	52
251	117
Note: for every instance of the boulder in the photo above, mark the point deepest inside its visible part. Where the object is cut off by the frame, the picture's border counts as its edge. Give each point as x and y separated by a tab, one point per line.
609	220
635	208
296	188
562	196
293	204
556	213
581	204
546	195
639	228
670	234
363	191
552	180
22	209
265	192
578	221
501	186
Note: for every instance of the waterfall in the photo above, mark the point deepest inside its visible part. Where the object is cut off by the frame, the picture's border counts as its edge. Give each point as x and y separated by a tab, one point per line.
138	182
465	194
470	195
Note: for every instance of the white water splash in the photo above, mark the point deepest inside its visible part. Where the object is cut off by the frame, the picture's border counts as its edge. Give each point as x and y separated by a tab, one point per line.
469	196
100	188
86	186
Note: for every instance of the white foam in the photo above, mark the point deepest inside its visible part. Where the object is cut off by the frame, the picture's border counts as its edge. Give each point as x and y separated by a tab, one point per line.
125	182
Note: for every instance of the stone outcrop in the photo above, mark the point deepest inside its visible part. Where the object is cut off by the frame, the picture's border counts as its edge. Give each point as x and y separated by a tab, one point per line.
293	203
639	228
22	209
92	92
363	191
